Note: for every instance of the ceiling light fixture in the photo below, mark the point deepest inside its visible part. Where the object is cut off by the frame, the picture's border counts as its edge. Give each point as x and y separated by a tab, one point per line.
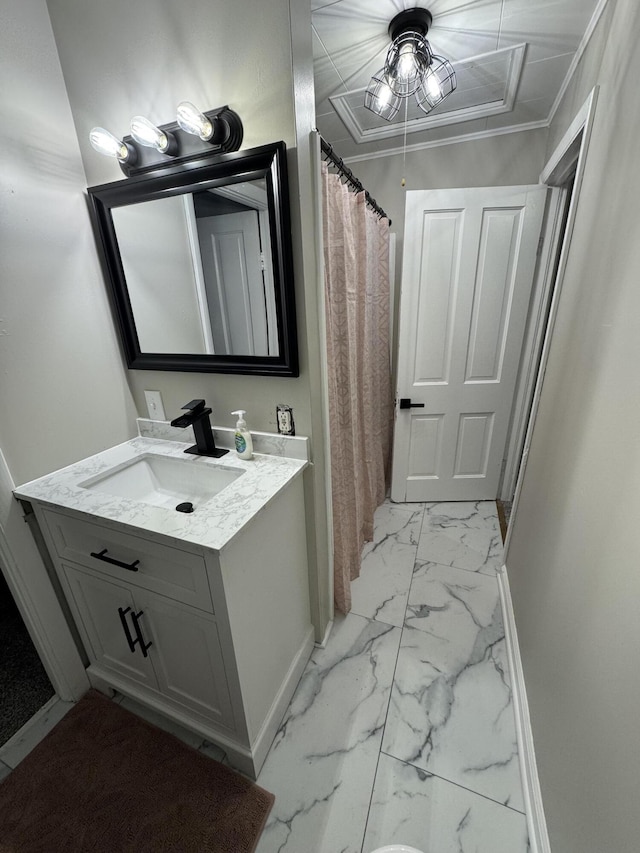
410	68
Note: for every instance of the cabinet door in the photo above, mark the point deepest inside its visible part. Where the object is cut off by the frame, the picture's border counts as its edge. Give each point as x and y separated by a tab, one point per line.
187	657
100	606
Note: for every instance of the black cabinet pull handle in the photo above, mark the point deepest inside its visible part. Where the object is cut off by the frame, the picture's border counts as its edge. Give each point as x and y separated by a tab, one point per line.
405	403
143	646
139	640
102	555
123	619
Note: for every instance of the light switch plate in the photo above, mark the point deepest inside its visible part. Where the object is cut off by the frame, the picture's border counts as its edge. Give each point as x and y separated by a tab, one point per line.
154	405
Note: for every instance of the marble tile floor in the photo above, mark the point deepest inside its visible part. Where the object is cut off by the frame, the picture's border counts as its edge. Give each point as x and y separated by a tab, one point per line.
401	729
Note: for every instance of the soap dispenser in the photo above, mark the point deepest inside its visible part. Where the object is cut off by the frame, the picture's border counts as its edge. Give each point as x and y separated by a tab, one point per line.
244	442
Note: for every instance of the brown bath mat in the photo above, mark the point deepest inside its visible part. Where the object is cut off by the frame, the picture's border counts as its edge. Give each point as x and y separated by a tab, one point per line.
105	781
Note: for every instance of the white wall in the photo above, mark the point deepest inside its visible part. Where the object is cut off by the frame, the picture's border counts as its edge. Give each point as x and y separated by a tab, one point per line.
62	389
574	558
515	158
158	264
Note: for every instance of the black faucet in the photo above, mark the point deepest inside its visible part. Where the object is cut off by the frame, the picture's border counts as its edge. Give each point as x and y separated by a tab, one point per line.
198	417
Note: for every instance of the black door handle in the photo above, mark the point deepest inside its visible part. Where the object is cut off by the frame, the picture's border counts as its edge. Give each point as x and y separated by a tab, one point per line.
143	646
102	555
139	638
123	619
405	403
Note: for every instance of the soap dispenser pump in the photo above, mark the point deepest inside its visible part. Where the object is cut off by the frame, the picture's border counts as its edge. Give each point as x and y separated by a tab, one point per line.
244	442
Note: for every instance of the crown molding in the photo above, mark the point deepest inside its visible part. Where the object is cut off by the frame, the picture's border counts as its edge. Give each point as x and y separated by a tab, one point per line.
451	140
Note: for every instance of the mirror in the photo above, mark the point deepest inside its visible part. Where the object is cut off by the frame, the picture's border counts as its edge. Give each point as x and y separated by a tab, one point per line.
198	260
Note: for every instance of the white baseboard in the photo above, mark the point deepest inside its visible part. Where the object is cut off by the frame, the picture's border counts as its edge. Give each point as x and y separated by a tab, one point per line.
536	823
325	639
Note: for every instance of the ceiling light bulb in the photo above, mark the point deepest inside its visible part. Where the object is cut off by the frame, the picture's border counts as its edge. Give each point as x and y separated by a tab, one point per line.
407	61
191	120
433	86
380	97
108	144
384	94
438	83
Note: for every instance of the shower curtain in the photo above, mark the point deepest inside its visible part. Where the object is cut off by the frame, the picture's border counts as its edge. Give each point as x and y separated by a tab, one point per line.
356	258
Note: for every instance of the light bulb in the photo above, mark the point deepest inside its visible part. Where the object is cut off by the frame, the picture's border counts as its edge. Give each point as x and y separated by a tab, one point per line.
433	87
147	134
384	95
191	120
406	61
380	97
438	83
108	144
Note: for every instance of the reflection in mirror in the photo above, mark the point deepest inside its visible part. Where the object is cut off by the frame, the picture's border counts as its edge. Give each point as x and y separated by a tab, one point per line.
199	273
198	259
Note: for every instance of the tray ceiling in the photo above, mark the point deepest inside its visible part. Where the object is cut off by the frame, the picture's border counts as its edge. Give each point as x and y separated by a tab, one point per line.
512	59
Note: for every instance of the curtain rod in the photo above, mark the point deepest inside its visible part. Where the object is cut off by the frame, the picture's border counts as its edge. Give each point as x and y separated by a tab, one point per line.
346	172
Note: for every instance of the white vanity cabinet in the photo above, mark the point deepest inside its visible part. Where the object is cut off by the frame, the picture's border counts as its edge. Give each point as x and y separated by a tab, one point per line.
151	641
214	639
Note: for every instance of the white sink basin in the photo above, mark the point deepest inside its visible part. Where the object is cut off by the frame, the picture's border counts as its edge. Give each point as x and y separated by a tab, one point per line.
163	480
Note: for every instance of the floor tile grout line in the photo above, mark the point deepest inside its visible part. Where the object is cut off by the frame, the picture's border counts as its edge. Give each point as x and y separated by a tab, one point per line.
493	575
458	568
461	525
383	727
451	782
412	509
373	787
393	678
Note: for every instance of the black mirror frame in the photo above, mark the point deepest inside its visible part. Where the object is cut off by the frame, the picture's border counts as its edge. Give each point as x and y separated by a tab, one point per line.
267	161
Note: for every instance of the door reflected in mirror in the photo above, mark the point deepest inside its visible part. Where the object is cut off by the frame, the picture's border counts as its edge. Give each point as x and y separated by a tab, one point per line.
199	263
199	272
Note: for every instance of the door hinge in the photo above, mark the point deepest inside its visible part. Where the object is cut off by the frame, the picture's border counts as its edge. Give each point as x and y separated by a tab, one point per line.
262	266
540	245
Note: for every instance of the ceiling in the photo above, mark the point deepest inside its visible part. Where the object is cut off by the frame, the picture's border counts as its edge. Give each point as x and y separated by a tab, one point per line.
513	59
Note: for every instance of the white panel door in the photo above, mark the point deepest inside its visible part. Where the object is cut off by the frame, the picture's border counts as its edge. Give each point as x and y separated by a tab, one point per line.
234	282
468	266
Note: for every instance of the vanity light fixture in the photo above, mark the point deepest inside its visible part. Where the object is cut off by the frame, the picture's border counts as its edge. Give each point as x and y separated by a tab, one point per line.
109	145
410	68
150	148
191	120
147	134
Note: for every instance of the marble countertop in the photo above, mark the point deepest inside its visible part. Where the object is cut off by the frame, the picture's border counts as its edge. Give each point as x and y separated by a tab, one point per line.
212	524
